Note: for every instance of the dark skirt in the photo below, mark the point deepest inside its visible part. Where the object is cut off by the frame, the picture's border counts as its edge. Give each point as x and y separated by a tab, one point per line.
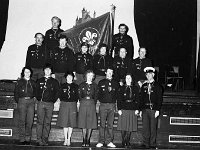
67	116
87	117
127	121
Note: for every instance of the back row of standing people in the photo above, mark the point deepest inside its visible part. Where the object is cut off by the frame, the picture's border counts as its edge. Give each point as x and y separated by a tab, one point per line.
53	48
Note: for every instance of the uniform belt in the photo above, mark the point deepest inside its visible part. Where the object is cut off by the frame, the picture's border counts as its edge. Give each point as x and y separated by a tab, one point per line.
87	97
148	104
129	100
27	97
102	69
106	103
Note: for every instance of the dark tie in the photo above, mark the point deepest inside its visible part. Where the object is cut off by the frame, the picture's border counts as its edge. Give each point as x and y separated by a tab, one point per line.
129	91
109	86
68	91
85	60
149	88
88	89
140	66
102	57
122	63
45	83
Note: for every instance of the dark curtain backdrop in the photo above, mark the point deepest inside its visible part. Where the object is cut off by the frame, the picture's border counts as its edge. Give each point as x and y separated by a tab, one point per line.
3	18
198	73
167	28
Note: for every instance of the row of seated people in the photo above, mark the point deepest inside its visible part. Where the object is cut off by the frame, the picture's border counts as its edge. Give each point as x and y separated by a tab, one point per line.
47	91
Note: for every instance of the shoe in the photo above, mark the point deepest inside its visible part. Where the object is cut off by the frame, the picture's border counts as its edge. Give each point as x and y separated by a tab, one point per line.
128	144
123	144
45	144
40	144
22	143
27	142
65	143
153	147
87	143
144	146
99	145
68	142
111	145
84	143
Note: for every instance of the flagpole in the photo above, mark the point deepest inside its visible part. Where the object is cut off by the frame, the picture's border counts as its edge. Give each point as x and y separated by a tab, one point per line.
113	7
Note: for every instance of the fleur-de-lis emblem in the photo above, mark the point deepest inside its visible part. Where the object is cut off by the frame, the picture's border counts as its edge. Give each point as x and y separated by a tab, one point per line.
90	37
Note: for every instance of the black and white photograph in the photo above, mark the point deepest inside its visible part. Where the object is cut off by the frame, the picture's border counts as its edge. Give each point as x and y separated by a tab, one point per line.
99	74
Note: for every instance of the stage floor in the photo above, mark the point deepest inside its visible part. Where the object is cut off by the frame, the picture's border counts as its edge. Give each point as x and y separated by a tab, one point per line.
13	145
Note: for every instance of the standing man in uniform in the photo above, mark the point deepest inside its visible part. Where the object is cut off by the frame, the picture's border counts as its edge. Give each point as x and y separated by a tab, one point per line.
122	39
108	89
83	63
25	97
100	62
122	65
35	58
47	89
51	36
138	66
62	59
150	105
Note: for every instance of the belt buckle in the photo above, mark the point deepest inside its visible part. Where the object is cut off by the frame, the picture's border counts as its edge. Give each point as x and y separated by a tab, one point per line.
128	100
151	106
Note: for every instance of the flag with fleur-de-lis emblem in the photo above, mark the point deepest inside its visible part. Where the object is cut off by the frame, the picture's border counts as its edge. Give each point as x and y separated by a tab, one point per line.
95	31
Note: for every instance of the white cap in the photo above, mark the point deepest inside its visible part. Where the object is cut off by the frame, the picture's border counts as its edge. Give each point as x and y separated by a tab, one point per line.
149	69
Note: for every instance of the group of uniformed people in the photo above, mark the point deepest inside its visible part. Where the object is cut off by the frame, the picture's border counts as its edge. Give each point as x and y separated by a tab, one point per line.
80	82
